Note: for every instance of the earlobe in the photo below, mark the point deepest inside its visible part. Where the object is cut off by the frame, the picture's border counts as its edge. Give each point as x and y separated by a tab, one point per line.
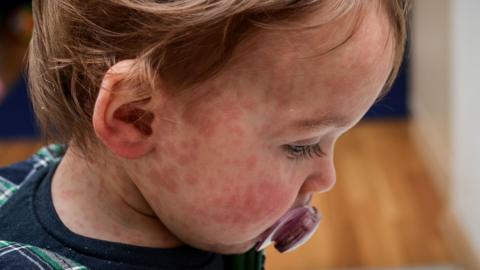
122	123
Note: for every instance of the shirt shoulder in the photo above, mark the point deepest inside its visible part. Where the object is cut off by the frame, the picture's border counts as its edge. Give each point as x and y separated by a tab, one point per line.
13	176
20	256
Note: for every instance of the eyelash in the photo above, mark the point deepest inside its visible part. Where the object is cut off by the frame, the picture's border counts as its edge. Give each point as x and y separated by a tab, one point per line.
298	152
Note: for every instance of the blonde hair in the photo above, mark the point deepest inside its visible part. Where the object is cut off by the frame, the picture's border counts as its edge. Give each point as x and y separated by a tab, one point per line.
185	41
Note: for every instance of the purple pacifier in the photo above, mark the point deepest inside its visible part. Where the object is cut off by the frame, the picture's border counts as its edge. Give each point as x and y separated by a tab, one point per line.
292	230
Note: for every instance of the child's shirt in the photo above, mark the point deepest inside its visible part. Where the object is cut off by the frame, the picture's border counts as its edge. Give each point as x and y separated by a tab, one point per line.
32	235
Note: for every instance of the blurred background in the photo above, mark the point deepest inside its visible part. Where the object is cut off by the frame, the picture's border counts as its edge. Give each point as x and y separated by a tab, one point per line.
408	187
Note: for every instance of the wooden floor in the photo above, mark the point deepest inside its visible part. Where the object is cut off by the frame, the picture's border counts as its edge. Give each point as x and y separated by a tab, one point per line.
383	211
14	151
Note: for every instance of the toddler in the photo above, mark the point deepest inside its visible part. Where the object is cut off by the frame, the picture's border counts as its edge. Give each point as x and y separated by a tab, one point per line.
189	134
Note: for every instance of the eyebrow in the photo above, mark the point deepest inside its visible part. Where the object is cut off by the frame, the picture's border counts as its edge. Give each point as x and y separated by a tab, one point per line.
327	120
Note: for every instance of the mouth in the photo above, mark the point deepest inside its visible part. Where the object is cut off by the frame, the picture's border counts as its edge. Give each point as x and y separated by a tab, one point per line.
293	229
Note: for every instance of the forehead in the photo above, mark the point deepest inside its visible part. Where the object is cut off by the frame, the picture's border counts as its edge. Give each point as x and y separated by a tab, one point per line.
315	70
360	38
347	52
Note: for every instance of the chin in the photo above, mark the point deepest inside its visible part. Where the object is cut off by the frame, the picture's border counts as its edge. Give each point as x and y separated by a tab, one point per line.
232	249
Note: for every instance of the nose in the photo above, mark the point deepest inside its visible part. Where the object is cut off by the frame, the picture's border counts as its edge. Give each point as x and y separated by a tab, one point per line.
322	177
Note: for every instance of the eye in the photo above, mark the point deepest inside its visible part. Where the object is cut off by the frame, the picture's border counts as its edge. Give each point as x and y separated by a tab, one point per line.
298	152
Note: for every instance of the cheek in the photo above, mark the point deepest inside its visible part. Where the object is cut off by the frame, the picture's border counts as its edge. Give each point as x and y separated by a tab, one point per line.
165	177
210	120
244	199
217	175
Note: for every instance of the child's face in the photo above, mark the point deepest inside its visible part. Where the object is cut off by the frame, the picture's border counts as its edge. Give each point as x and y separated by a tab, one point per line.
221	172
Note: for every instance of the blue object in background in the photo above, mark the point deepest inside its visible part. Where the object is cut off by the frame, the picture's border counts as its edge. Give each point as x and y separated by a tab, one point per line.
16	114
395	103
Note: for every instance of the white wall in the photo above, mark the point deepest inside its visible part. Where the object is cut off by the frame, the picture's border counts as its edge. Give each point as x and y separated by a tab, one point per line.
430	82
465	93
446	102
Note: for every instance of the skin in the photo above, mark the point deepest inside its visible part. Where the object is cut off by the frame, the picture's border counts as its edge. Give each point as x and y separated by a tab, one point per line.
214	173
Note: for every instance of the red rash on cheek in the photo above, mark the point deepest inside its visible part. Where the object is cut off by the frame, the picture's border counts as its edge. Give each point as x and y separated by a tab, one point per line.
231	111
166	177
185	158
220	112
181	154
208	127
190	144
236	131
272	195
263	199
170	147
251	163
249	104
191	180
245	202
195	144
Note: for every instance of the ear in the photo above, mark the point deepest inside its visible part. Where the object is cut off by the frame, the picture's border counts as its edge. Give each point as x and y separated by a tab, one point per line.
121	122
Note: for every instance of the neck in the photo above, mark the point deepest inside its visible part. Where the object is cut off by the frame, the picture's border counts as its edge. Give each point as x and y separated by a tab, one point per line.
101	202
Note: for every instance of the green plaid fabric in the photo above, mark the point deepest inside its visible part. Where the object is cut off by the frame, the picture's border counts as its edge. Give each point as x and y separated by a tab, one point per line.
20	256
30	257
42	158
7	189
